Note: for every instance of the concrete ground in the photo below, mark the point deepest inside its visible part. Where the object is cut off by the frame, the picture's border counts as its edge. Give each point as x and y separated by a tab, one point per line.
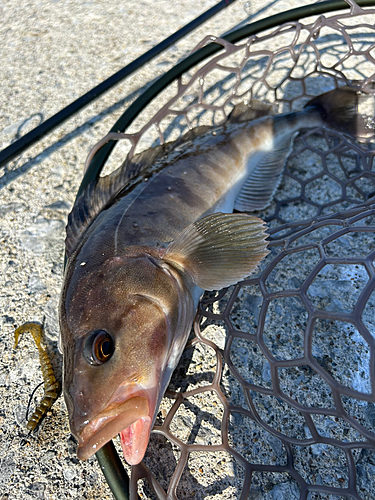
52	52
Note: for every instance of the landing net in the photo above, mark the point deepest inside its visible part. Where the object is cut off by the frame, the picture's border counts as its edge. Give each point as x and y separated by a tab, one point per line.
274	395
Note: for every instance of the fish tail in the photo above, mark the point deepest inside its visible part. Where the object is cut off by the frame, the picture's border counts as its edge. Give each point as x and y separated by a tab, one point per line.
339	109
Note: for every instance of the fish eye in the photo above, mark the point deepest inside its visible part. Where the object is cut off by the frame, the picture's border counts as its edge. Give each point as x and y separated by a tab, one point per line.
98	347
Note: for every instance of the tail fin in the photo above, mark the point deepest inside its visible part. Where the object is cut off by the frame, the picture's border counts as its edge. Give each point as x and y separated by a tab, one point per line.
341	110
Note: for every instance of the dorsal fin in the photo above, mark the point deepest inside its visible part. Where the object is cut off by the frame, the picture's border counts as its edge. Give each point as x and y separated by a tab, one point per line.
247	112
192	134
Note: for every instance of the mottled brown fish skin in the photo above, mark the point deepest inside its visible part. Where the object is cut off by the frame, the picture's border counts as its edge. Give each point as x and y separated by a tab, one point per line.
138	261
118	263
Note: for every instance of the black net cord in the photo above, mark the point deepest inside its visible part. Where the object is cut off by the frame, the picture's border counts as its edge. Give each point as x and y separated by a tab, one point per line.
114	472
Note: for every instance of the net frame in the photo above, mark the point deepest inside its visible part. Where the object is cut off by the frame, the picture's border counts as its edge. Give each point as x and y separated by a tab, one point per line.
286	230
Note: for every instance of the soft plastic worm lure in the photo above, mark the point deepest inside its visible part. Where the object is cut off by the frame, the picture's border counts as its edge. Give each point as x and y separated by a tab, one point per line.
51	386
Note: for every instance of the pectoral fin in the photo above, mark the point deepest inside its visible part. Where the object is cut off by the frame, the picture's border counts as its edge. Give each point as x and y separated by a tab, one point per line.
219	249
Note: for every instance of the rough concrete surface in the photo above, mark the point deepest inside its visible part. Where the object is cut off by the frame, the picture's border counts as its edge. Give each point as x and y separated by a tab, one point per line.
52	52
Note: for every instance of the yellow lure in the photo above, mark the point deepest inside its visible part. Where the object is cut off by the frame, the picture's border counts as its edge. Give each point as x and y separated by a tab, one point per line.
51	385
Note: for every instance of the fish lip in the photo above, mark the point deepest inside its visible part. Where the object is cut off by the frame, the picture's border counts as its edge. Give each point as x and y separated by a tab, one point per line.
114	418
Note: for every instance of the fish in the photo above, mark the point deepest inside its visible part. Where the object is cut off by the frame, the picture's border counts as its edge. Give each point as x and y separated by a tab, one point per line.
144	242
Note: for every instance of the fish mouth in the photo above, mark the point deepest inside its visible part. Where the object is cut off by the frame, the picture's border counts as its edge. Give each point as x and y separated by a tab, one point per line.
131	418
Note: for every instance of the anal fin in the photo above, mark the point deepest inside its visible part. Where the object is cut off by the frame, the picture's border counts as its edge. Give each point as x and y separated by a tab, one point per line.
259	188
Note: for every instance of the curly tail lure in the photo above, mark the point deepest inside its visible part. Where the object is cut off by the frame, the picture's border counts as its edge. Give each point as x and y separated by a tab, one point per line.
51	385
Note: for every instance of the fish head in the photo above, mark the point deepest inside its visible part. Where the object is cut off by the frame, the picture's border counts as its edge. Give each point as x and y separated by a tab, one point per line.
124	325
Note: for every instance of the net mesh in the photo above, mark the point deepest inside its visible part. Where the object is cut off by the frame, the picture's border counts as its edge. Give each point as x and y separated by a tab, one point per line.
274	394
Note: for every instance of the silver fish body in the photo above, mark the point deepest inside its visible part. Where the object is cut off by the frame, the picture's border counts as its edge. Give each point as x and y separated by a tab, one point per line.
142	246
